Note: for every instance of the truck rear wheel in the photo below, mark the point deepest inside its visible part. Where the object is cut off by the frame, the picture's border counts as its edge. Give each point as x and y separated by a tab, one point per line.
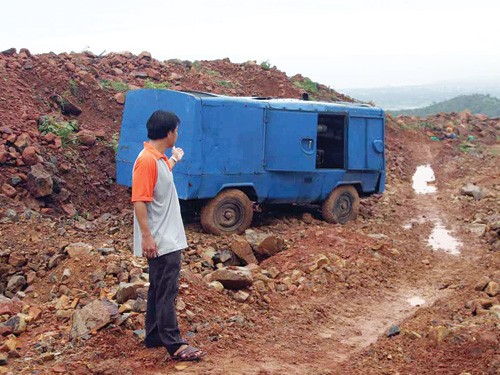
342	205
229	212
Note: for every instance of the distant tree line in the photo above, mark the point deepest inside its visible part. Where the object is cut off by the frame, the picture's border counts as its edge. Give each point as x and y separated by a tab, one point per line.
477	103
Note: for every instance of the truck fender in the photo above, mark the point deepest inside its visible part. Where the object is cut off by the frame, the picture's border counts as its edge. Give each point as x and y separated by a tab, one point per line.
247	188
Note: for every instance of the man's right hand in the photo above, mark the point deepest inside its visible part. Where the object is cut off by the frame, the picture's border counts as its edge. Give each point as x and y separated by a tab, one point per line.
149	247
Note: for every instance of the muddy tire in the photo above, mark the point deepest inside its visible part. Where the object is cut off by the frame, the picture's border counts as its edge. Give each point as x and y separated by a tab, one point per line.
341	206
229	212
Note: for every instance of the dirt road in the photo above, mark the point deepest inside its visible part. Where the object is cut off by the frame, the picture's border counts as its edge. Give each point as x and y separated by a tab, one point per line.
342	325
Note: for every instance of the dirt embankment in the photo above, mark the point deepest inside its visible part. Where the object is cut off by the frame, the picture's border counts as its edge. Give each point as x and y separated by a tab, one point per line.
373	296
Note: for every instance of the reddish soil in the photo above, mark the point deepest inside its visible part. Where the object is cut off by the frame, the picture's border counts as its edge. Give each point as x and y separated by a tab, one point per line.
333	320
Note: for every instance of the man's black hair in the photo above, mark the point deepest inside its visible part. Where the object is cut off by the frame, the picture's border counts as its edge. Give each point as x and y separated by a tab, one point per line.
160	123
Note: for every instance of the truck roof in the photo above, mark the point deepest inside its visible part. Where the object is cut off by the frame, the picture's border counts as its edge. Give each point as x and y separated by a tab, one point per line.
289	104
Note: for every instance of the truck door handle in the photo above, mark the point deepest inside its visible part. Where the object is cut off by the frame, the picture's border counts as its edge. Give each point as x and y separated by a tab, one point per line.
378	146
307	145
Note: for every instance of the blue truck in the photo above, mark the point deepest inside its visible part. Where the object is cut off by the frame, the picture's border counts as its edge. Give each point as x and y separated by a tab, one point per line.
243	152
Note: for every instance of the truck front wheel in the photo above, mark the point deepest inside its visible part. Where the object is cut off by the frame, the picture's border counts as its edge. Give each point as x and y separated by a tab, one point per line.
229	212
341	205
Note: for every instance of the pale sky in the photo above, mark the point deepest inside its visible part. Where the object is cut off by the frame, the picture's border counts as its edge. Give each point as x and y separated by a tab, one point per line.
339	43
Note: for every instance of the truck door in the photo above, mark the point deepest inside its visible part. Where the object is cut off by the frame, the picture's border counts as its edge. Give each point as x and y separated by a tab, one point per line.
290	140
365	143
375	140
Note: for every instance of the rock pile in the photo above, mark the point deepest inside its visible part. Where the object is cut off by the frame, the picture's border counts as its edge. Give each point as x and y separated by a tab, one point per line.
60	116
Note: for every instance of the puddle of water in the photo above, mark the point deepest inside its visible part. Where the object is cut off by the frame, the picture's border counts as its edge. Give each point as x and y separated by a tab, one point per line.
423	175
416	301
407	226
440	239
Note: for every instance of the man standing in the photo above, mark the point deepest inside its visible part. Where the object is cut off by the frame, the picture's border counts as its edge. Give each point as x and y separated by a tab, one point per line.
159	233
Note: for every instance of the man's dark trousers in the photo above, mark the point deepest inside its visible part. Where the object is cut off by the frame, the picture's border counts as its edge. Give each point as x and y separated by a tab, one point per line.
161	317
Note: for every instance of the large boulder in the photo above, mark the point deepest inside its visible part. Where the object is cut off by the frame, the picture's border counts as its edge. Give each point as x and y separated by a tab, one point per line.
22	141
66	106
87	137
9	190
40	183
30	157
78	249
474	191
233	277
264	244
126	291
243	250
16	259
92	317
16	283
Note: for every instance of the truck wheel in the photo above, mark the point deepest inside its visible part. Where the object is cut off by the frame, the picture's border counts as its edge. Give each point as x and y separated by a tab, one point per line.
229	212
341	205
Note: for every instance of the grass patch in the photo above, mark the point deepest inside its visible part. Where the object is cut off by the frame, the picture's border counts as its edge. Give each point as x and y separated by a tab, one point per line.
149	84
74	88
494	150
467	148
114	85
196	65
307	85
226	84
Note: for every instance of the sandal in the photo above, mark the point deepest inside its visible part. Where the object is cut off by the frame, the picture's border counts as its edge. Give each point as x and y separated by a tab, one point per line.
190	353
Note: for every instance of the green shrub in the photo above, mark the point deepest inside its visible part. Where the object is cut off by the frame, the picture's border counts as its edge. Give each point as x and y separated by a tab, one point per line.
113	142
266	65
63	129
115	138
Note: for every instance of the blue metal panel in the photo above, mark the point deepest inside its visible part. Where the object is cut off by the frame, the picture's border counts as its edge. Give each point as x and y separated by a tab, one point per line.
365	143
232	138
356	143
375	144
293	187
290	143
